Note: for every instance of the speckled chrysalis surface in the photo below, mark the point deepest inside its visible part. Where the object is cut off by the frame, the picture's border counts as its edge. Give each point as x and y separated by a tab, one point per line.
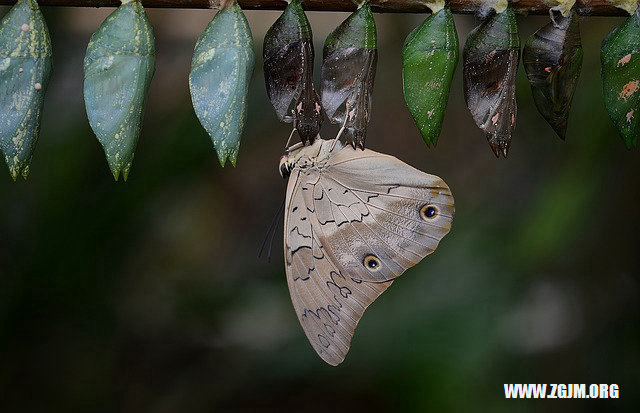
429	58
25	67
288	72
620	57
221	70
552	58
118	68
490	59
348	71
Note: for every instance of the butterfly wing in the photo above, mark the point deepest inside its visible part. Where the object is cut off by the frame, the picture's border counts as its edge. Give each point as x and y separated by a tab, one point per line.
363	206
328	303
373	205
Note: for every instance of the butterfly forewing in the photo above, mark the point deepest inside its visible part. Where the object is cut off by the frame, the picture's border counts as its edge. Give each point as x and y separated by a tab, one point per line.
351	227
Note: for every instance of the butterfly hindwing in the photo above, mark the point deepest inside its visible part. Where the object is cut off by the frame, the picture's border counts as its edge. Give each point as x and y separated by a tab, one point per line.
374	203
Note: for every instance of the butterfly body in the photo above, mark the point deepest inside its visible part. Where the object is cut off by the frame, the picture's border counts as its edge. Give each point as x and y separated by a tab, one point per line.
354	221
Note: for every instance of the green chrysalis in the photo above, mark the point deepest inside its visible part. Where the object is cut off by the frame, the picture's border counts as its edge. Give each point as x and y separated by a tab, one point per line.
620	57
25	67
221	70
118	68
348	71
429	58
491	55
552	58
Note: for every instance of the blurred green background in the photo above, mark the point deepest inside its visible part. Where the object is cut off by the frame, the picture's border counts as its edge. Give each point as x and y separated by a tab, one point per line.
148	295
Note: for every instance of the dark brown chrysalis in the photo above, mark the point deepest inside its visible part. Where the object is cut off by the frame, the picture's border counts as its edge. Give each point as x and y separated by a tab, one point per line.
552	58
349	63
491	55
288	72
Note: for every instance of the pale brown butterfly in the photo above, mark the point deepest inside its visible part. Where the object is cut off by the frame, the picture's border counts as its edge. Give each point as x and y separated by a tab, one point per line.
354	221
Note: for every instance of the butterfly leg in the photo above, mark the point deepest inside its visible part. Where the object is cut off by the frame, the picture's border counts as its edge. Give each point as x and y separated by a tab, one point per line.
286	146
340	132
294	146
295	127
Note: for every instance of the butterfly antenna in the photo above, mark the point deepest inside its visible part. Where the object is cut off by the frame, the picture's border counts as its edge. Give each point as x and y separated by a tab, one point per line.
271	233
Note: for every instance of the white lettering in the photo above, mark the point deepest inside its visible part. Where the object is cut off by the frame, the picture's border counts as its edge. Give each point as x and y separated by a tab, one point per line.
614	391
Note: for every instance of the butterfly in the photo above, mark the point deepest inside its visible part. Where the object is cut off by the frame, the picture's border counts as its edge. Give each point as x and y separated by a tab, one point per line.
355	220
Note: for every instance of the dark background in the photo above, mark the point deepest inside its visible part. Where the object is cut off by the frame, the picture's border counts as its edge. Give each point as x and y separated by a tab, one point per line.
148	296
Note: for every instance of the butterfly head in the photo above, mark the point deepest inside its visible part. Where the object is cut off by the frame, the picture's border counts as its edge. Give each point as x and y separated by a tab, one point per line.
300	156
303	156
286	165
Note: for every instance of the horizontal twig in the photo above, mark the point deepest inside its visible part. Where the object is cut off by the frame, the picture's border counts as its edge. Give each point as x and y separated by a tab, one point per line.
585	7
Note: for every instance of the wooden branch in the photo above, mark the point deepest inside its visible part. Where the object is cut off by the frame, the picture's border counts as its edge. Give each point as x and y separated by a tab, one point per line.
585	7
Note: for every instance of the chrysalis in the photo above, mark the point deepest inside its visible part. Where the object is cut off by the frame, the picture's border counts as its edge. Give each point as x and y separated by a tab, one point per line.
25	66
118	68
288	72
491	55
348	71
620	57
552	58
429	58
221	69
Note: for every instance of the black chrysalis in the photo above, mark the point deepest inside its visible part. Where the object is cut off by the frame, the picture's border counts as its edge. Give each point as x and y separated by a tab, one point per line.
491	56
552	58
288	72
348	71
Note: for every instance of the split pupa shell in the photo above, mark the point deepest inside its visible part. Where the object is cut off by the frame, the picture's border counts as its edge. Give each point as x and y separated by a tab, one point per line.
620	58
288	72
118	68
429	59
348	72
490	63
552	58
25	67
221	70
